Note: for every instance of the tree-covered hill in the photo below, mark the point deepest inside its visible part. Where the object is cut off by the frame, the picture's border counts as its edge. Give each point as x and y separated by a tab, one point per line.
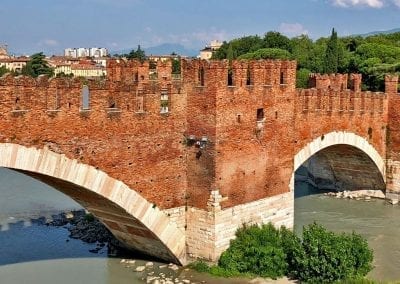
372	56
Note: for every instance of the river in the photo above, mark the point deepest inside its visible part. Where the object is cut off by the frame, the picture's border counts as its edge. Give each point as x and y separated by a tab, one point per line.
33	253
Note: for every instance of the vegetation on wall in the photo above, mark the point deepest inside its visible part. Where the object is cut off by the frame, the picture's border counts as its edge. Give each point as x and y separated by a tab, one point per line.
319	256
372	56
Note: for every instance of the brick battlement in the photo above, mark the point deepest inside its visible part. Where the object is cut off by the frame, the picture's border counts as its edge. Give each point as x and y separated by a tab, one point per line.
239	108
240	73
342	101
213	149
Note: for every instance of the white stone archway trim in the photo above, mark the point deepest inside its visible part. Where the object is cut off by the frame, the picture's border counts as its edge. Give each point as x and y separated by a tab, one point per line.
337	138
46	162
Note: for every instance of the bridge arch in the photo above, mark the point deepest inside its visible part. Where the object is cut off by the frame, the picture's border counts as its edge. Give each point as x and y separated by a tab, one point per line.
337	138
131	218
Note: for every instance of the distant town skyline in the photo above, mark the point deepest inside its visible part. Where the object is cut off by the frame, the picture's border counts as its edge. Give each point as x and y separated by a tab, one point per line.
53	25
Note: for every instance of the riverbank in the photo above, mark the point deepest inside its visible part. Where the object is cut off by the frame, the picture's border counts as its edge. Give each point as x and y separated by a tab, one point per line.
85	227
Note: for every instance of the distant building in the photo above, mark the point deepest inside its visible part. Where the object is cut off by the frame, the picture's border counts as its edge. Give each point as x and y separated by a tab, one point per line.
93	52
3	51
78	67
207	52
12	63
87	70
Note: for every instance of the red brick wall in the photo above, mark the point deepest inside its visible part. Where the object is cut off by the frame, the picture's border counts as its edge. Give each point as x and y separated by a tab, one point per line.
144	150
230	151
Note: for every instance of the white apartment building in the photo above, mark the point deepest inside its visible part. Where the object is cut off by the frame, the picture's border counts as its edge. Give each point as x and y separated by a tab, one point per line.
93	52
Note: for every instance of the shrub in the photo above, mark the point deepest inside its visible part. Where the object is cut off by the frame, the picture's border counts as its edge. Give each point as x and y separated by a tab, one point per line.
320	257
257	251
330	257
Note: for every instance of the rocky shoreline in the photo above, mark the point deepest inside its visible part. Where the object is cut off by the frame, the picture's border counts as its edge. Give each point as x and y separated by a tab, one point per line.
85	227
365	195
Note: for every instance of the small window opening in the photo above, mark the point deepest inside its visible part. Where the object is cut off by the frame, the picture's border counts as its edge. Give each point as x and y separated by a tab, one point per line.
260	114
85	97
17	100
164	103
139	104
282	78
201	76
230	77
57	103
276	115
111	103
136	78
248	77
238	118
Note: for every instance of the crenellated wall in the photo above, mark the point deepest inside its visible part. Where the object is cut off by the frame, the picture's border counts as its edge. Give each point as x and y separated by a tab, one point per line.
213	147
121	131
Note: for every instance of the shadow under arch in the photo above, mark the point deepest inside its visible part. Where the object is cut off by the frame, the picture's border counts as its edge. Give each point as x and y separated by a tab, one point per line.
132	219
337	143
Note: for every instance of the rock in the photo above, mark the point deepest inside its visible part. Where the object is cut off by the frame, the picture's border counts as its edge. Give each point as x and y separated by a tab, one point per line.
186	281
151	279
394	201
173	267
140	268
130	261
149	264
162	266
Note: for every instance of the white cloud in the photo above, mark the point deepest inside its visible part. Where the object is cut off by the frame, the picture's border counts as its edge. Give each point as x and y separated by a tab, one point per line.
48	42
396	2
358	3
292	29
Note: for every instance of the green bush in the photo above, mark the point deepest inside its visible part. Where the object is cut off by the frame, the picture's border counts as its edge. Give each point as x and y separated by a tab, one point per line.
320	257
329	257
257	251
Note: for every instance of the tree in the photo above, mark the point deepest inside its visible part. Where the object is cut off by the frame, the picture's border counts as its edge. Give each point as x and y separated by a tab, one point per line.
267	53
37	65
277	40
4	70
176	65
229	53
332	54
138	54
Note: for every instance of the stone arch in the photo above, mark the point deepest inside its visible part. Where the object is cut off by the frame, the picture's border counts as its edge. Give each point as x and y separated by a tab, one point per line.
131	218
337	138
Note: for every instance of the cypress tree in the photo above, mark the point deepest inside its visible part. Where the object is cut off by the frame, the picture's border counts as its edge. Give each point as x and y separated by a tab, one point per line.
332	54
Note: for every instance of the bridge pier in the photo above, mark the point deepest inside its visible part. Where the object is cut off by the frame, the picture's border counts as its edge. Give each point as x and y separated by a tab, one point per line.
209	231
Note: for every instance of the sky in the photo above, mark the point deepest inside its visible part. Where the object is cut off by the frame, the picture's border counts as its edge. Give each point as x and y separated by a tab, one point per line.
29	26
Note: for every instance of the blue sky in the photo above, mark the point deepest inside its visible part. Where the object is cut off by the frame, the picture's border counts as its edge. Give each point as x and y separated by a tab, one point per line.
28	26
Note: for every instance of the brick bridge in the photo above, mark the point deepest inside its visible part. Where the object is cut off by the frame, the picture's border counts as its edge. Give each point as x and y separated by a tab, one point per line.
172	165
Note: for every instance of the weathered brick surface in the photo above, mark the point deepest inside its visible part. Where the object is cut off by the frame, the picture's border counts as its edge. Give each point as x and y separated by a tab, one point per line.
232	128
144	149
